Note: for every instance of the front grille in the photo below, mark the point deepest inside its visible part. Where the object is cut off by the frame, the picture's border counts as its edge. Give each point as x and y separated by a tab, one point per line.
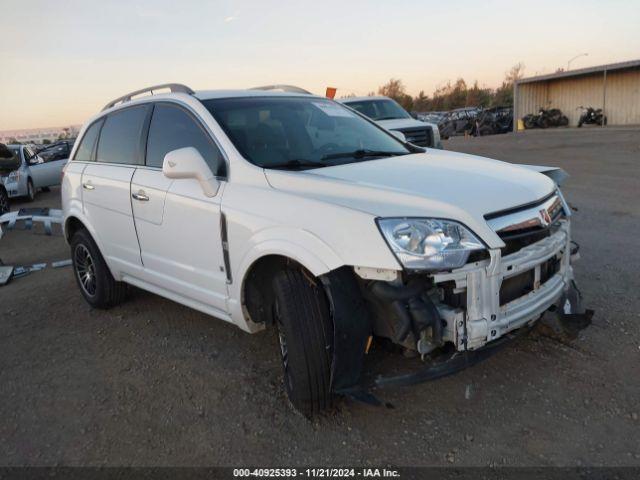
522	226
517	240
420	136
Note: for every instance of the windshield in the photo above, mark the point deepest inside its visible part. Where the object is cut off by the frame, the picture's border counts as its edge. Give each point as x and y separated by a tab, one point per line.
300	132
379	109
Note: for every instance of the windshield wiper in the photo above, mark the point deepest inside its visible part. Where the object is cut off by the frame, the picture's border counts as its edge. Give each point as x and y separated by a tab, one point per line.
295	165
363	153
389	118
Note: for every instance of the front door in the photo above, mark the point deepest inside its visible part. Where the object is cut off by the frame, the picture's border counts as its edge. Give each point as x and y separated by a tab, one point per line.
39	172
178	226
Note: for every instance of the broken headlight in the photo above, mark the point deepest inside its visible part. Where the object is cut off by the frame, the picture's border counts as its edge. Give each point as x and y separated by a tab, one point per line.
429	243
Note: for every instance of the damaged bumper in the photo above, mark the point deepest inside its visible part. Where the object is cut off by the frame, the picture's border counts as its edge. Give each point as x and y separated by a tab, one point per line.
482	306
542	270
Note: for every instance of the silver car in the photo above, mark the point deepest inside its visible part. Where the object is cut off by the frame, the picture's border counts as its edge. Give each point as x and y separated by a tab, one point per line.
34	173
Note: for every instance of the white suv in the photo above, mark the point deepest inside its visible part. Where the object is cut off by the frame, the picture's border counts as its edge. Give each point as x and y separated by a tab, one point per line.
293	211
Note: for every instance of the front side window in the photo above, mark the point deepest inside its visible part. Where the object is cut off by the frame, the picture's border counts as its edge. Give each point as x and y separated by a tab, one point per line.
84	153
300	132
172	128
120	138
379	109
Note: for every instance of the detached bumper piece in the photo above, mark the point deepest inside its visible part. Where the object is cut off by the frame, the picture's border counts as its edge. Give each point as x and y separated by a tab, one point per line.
442	368
566	319
31	216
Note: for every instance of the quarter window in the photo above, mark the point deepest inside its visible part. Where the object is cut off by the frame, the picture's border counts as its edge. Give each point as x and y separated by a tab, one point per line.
120	138
172	128
85	149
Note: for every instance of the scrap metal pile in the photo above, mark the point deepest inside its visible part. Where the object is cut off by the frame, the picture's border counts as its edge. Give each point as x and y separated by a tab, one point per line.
26	219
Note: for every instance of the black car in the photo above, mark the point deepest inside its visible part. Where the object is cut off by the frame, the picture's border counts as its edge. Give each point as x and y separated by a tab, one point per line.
8	163
59	150
458	122
495	120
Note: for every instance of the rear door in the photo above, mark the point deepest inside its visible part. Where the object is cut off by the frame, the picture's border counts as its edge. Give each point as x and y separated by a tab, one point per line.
178	226
106	187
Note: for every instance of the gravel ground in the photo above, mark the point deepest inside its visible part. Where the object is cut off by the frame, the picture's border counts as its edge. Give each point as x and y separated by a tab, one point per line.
154	383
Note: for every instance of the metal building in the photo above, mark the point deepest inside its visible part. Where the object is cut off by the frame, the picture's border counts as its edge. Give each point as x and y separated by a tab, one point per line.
614	87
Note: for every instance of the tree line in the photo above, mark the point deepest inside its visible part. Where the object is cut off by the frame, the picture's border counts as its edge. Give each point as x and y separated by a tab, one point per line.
456	95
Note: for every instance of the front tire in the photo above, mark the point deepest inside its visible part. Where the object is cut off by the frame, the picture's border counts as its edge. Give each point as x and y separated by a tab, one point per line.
31	191
4	201
97	285
306	340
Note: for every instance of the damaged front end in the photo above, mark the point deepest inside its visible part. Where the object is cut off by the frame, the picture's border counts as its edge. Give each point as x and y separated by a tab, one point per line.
453	319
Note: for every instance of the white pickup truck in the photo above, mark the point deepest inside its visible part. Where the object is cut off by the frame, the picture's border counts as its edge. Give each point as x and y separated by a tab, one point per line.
387	113
291	211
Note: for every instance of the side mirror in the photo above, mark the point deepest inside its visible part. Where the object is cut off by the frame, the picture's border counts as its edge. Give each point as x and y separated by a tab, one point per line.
35	160
188	163
399	135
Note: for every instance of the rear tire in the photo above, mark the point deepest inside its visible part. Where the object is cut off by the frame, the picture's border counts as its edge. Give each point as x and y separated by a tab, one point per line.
306	340
94	279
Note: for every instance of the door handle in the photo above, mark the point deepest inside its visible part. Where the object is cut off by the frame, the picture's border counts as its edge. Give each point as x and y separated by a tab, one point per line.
140	196
88	186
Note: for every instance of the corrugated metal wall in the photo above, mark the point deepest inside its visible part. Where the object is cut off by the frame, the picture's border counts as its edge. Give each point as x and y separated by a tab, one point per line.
622	100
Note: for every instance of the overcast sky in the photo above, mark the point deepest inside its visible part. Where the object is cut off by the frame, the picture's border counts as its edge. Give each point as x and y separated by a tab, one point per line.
62	61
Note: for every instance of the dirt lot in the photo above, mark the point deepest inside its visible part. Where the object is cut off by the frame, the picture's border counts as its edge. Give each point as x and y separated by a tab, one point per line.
155	383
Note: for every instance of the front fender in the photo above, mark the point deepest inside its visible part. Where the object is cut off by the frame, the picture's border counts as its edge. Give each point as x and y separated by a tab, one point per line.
298	245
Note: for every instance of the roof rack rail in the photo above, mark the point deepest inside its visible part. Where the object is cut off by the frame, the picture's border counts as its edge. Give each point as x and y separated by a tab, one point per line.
174	87
284	88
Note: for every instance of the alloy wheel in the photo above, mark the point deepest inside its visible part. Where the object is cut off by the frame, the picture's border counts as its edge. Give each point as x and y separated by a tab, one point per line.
85	270
284	351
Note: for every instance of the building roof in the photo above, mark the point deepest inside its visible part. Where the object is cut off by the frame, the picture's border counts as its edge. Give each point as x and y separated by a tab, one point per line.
581	71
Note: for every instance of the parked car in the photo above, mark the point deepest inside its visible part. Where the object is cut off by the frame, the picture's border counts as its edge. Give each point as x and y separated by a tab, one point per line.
545	118
293	212
34	173
460	121
432	117
9	162
387	113
495	120
59	150
591	116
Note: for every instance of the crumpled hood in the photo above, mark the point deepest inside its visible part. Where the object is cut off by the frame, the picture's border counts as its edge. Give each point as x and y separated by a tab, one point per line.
434	184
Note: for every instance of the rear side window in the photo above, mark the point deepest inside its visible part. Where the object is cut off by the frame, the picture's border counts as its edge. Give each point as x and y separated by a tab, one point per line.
84	153
172	128
120	139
